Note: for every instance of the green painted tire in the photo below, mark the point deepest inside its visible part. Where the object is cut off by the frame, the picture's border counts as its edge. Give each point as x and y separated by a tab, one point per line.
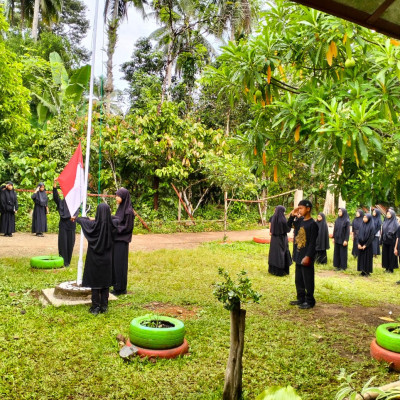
47	262
386	338
156	338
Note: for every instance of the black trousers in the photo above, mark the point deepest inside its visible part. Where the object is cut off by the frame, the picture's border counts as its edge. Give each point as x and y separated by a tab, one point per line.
305	283
120	266
340	256
100	297
321	257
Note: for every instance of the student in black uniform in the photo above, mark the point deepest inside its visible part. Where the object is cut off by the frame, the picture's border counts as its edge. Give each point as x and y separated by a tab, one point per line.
355	228
124	219
341	234
40	210
388	238
365	251
304	253
8	209
377	220
322	240
98	273
66	227
279	259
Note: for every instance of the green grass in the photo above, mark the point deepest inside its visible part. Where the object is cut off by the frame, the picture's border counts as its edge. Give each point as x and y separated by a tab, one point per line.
66	353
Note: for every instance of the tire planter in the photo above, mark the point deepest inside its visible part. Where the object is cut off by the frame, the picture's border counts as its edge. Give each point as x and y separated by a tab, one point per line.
156	338
47	262
387	339
169	353
262	240
381	354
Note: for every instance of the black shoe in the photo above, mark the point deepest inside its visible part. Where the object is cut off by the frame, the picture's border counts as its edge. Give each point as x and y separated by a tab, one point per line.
398	283
118	293
103	309
39	235
94	310
305	306
296	302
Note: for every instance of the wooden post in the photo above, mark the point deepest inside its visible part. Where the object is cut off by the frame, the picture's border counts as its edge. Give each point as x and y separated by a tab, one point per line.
141	220
233	373
225	213
179	208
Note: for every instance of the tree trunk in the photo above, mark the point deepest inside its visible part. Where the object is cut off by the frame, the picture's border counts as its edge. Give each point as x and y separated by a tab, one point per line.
341	202
329	206
233	373
112	36
156	185
298	196
168	74
179	207
228	122
225	212
35	22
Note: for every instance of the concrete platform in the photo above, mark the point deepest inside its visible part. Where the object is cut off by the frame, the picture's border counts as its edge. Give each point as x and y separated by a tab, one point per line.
49	298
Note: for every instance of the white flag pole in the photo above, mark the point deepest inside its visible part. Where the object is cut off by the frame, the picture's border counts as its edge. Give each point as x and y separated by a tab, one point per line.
88	136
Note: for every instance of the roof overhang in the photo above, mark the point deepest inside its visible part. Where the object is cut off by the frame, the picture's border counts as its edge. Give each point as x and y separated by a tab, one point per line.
380	15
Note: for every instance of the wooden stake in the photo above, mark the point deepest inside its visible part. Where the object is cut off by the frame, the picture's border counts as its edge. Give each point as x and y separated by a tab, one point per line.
225	213
179	208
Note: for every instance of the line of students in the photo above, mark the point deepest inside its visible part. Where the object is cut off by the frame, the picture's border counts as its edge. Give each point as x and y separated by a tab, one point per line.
108	238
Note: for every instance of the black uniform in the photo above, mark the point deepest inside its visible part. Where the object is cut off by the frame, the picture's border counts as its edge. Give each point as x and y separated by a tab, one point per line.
355	227
322	241
366	237
341	234
304	246
39	217
388	239
124	219
98	264
279	259
66	229
378	225
8	208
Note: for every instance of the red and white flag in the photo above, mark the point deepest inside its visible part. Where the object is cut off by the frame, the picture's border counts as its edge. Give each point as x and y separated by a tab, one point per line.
72	181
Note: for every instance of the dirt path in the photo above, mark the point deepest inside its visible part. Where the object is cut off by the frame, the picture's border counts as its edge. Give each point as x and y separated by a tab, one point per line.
28	245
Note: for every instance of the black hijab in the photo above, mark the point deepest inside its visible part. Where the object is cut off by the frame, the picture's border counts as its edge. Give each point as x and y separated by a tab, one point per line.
278	222
341	224
390	226
377	219
9	197
100	232
358	221
322	242
42	194
367	229
125	207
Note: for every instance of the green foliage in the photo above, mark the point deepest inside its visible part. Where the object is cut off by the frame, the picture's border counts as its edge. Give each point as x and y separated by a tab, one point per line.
232	294
278	393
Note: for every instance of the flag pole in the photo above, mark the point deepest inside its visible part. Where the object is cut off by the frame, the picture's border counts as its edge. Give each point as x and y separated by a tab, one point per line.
88	137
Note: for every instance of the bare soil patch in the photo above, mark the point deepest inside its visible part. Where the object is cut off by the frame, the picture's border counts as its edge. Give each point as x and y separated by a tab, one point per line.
171	310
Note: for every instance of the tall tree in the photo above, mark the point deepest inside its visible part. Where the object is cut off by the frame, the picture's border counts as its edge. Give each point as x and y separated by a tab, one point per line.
50	13
115	11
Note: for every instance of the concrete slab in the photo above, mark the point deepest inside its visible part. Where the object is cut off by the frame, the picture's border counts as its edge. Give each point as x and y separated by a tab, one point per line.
56	301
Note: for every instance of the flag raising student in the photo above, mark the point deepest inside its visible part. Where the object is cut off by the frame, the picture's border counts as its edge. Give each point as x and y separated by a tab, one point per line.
97	275
355	227
304	253
124	218
389	231
8	209
66	227
365	239
322	240
341	234
40	210
279	259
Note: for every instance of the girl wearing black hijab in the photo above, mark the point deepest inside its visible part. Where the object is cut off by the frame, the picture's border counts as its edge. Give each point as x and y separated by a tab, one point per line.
341	234
355	227
97	275
365	239
8	209
279	259
124	219
376	216
389	231
40	210
66	228
322	243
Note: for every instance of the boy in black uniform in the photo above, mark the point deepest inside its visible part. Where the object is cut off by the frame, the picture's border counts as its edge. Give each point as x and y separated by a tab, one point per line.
306	233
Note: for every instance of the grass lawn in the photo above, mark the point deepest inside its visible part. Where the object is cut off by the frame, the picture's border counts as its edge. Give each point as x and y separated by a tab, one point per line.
66	353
